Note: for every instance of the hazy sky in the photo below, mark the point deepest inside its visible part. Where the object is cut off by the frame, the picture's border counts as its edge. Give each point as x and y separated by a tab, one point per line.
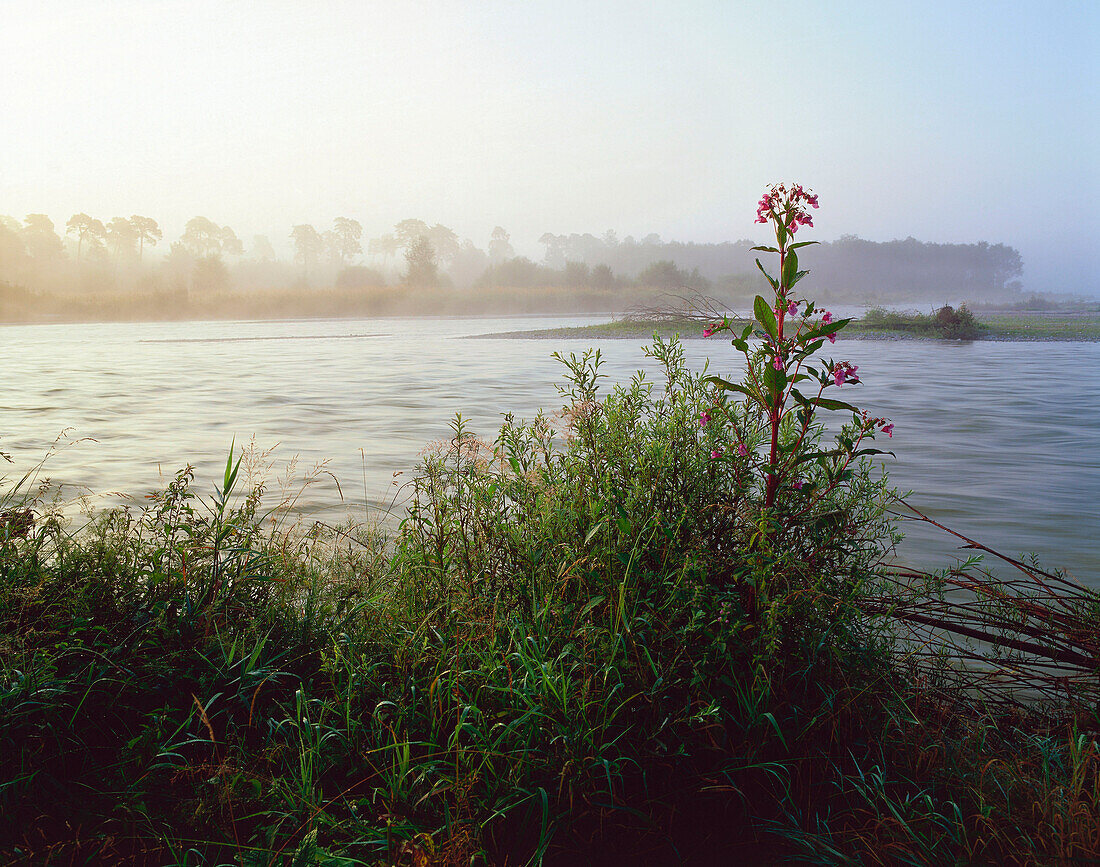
946	121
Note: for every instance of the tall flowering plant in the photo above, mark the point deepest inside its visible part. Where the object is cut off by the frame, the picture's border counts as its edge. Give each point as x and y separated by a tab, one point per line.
779	368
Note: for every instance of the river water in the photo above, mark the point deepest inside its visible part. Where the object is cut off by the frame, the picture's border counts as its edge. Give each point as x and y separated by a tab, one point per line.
1000	440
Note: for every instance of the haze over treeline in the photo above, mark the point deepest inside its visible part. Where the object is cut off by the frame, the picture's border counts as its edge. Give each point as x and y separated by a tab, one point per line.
948	122
130	256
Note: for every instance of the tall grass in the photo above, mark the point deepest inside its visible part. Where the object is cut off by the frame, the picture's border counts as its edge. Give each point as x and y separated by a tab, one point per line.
580	646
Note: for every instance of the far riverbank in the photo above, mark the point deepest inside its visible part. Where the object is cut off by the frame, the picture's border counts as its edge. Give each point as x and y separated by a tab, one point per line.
1082	326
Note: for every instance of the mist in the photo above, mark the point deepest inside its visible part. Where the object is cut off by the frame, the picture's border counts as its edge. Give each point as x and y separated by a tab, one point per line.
558	120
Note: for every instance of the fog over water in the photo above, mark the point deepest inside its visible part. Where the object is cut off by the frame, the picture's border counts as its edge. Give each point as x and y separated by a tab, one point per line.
941	121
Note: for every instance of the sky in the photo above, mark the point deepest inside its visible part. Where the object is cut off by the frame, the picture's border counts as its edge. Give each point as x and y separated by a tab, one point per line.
944	121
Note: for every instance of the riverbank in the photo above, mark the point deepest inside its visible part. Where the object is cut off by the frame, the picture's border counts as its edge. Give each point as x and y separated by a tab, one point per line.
1082	326
579	646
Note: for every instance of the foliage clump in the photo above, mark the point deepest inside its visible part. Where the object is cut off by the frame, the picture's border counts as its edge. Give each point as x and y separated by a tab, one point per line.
946	322
642	628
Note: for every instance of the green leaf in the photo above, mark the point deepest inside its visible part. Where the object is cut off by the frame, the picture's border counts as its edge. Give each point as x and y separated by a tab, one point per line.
798	276
771	280
873	452
790	268
592	603
765	316
812	456
766	249
595	531
829	403
775	380
802	244
726	385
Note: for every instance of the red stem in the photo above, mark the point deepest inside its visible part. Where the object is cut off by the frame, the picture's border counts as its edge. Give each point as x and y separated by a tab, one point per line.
776	409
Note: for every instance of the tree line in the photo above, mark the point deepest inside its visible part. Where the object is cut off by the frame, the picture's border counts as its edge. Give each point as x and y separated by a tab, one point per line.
95	255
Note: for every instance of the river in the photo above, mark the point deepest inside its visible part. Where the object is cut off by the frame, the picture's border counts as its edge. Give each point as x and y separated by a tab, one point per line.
1000	440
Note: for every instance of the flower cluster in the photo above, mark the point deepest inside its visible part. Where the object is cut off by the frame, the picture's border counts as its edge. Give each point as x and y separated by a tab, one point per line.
739	449
885	425
844	372
786	206
791	329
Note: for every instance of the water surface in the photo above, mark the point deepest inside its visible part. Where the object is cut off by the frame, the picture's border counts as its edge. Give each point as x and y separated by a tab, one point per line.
1000	440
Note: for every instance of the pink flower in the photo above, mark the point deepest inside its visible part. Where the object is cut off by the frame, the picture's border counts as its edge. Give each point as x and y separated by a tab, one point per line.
777	363
888	429
786	207
827	318
708	331
714	455
703	419
792	308
796	485
844	372
832	338
742	450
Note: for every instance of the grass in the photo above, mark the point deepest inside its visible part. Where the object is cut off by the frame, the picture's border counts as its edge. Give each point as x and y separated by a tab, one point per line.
584	644
877	322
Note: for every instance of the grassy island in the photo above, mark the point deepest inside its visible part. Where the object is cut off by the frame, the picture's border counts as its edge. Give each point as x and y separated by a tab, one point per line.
946	323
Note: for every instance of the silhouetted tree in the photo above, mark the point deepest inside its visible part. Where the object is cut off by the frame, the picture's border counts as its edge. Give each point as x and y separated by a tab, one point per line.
423	271
308	245
500	247
179	266
555	255
229	243
86	229
386	247
468	264
202	237
603	277
42	242
576	275
663	275
122	237
444	242
409	231
262	249
13	254
148	232
345	239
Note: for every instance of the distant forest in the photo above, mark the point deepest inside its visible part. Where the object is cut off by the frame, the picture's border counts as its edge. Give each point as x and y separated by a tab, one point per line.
128	254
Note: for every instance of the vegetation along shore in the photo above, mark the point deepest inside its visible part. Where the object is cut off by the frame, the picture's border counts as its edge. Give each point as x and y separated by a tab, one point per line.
658	625
946	323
